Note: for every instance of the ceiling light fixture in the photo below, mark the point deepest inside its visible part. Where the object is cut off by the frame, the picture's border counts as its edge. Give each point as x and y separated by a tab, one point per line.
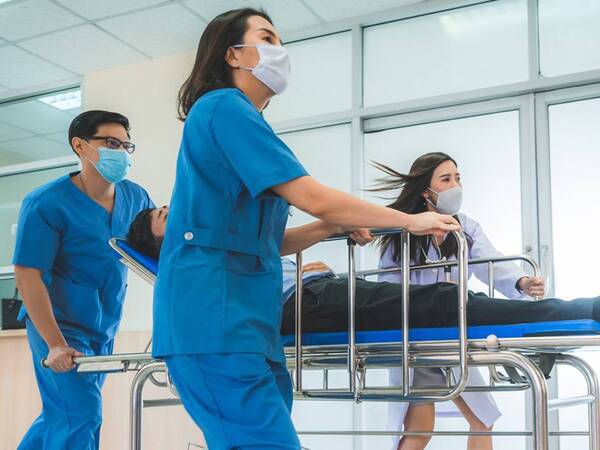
64	101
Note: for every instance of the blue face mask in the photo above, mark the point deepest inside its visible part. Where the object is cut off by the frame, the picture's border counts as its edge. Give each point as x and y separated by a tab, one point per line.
113	165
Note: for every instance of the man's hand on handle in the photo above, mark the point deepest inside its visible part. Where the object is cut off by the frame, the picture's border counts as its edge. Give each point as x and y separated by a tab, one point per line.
60	359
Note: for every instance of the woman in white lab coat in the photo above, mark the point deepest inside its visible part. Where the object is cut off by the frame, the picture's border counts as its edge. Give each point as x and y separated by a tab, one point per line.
433	184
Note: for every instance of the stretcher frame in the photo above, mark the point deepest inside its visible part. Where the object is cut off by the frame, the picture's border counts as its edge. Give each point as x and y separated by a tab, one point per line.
356	358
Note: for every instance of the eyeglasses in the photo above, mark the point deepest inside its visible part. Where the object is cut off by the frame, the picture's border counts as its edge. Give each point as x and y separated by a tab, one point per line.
114	143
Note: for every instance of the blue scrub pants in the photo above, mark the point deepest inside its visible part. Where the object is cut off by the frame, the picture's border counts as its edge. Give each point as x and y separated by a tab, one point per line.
239	401
71	402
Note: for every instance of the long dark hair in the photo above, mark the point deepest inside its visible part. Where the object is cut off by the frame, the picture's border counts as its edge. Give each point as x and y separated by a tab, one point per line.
411	201
210	70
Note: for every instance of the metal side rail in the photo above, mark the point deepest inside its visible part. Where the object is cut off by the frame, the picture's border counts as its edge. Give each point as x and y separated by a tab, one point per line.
112	363
490	262
354	365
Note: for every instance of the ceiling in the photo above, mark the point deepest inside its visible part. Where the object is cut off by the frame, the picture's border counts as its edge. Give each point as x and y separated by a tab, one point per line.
46	42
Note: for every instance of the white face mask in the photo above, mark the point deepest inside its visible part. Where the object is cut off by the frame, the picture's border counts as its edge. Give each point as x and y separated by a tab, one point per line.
273	68
449	201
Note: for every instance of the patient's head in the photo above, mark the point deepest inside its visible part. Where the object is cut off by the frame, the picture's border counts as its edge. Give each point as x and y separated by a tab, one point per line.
147	231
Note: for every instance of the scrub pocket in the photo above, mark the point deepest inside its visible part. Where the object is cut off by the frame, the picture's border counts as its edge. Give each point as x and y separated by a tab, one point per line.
252	303
75	303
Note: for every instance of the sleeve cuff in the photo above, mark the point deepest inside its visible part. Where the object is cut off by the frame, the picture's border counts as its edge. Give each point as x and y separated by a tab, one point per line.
31	263
275	179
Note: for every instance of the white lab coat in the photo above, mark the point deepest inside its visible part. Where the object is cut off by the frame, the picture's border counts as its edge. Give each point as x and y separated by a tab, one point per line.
505	277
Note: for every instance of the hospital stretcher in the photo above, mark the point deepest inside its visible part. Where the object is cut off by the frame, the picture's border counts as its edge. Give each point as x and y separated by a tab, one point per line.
523	347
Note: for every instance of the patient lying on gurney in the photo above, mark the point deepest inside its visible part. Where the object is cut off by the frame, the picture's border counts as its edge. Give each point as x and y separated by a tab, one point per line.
325	296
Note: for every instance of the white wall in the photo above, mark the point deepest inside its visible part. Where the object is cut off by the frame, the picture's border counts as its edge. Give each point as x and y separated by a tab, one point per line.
146	93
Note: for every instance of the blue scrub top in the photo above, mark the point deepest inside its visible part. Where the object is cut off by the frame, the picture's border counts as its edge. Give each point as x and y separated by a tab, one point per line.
219	277
64	233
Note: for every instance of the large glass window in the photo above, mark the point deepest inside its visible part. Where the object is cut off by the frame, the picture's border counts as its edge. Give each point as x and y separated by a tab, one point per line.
569	36
320	81
486	149
575	159
325	153
572	384
36	128
12	190
459	50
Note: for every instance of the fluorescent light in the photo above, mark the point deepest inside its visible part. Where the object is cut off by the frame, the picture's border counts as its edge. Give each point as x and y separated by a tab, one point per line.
64	101
5	1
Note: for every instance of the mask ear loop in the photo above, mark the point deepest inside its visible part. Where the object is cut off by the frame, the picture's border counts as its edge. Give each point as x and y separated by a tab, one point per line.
85	157
248	69
429	201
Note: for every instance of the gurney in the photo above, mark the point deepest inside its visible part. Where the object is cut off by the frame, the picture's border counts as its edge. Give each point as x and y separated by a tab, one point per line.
519	346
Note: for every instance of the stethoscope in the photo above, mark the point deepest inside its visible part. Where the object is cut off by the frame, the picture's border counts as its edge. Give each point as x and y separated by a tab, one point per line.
447	270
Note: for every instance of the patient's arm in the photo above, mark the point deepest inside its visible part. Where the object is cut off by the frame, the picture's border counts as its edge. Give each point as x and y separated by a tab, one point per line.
300	238
317	266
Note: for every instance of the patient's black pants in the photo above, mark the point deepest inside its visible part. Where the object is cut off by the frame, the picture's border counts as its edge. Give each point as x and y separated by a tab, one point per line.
378	307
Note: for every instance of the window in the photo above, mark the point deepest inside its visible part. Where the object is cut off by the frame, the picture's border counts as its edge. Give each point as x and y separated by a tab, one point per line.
459	50
36	128
320	81
486	149
12	190
569	36
325	153
575	159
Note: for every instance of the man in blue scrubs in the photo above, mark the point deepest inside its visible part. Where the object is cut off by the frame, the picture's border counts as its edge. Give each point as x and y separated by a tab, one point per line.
72	283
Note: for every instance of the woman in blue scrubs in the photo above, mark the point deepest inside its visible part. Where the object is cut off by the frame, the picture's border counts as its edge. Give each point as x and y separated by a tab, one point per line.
217	310
72	283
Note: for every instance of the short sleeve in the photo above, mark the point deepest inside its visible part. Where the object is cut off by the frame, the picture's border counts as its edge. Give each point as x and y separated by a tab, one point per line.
257	155
38	240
